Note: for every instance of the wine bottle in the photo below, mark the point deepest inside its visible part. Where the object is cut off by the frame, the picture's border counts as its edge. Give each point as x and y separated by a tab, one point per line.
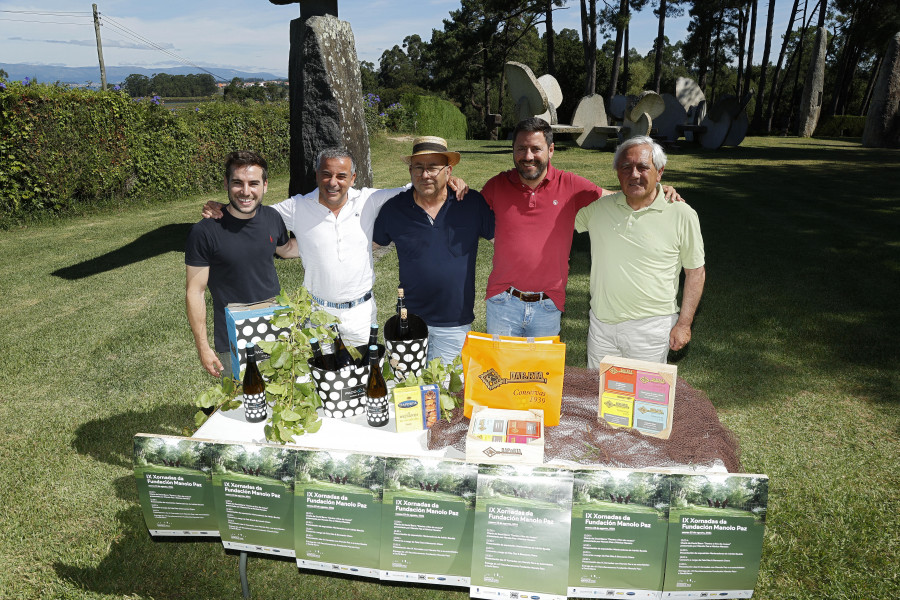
254	388
342	356
377	413
401	300
403	332
373	341
321	361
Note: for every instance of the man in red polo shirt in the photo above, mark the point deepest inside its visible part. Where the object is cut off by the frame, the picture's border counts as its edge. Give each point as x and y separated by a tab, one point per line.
534	206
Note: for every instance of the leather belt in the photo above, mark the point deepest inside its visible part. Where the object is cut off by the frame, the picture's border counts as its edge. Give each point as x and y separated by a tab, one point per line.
350	304
526	296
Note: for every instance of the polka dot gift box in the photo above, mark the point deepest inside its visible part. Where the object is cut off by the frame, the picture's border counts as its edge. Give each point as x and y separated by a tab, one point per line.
409	356
248	325
343	392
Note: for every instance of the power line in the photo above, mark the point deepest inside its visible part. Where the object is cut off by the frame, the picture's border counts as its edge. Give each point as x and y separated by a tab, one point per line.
50	14
125	31
45	22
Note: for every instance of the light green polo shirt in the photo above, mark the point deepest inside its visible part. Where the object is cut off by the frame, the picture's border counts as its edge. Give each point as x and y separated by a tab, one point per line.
637	256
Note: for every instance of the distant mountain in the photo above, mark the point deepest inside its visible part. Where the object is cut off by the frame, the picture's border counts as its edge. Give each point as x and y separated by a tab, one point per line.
114	75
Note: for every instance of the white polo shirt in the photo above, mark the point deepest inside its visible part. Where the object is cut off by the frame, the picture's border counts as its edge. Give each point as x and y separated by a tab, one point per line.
336	250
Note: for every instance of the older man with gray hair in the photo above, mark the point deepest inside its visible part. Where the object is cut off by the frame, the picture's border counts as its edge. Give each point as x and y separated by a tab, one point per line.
639	245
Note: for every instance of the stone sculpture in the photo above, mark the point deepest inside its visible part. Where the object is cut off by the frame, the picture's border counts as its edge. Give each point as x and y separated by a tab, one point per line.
325	93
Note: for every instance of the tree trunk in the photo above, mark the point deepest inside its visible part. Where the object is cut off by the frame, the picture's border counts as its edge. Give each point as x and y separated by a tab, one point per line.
716	51
589	44
551	52
842	66
750	46
853	64
775	86
617	59
867	99
626	71
660	41
767	48
742	38
794	99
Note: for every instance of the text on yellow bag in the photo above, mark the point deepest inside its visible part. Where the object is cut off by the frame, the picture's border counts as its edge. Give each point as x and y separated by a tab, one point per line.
514	373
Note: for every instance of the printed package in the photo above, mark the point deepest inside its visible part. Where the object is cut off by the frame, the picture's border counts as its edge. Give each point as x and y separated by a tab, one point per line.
502	436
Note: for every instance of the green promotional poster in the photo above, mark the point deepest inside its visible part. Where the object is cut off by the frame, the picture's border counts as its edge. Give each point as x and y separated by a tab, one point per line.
174	485
427	520
253	490
521	539
716	525
619	530
338	512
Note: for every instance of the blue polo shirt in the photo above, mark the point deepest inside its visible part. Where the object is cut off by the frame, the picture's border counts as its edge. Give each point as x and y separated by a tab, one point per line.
437	259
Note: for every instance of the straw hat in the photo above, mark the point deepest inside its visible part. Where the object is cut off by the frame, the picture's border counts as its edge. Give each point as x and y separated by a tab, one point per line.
430	144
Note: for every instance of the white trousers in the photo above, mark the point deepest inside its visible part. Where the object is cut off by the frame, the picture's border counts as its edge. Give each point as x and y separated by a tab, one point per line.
641	339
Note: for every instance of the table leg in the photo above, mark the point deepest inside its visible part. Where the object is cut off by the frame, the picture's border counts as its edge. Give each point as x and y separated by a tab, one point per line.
245	585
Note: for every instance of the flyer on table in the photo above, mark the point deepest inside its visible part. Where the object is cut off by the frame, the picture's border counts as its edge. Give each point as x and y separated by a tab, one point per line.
174	485
428	516
253	489
338	511
521	539
716	526
619	529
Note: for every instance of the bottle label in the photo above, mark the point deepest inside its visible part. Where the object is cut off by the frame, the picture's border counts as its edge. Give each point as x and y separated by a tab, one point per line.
255	407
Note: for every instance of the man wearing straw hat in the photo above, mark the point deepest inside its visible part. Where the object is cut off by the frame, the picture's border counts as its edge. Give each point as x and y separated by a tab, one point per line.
436	236
333	225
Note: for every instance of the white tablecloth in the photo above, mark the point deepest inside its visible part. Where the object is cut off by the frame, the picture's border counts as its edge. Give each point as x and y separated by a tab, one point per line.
348	435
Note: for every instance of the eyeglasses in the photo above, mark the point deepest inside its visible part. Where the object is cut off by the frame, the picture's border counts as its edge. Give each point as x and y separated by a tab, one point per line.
432	171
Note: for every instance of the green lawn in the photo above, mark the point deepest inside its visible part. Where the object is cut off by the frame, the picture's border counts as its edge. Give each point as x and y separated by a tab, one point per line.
796	344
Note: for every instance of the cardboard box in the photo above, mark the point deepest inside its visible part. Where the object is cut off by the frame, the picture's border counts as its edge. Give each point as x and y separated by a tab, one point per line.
651	387
620	379
527	450
652	399
650	418
617	409
417	408
522	432
248	324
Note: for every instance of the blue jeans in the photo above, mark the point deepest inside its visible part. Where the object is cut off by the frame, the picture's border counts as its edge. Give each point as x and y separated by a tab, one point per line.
508	315
446	342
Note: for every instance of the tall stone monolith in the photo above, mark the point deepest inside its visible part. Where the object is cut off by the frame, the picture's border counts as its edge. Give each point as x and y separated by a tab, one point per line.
883	119
325	93
811	101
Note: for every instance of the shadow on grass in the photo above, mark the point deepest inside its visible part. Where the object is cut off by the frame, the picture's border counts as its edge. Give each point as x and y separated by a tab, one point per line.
168	238
111	440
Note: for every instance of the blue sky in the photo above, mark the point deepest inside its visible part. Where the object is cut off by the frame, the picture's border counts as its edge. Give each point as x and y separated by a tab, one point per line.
250	35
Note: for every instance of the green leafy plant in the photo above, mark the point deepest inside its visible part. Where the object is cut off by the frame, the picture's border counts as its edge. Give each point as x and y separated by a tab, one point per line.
447	377
289	389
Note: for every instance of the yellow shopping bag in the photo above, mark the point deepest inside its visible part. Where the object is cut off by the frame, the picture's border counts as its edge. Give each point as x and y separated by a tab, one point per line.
514	373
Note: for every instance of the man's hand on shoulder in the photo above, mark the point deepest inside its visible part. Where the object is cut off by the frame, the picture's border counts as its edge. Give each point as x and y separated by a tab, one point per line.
671	194
458	185
212	210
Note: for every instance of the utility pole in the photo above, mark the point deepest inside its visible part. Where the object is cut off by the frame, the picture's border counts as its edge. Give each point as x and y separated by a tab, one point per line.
99	49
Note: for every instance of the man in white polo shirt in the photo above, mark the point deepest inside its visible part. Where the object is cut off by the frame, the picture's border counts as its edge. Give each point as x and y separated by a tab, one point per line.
333	225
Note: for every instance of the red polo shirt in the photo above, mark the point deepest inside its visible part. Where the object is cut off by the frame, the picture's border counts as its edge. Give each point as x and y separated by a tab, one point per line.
533	235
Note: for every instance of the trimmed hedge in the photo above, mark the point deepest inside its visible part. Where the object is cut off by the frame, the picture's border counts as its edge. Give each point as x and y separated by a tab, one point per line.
62	149
435	116
841	126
